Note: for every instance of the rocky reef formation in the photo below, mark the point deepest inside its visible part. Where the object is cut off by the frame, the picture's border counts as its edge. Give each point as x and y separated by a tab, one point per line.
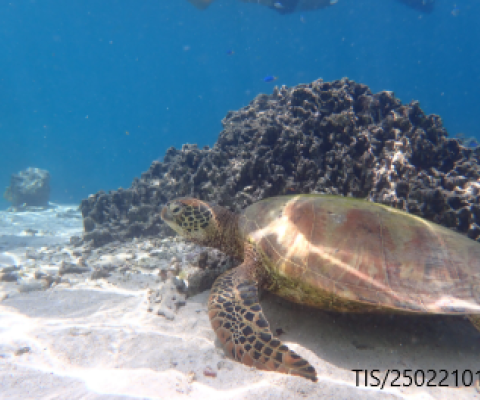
29	188
323	137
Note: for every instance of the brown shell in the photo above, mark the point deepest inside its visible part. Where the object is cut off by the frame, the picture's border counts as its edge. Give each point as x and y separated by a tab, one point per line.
354	255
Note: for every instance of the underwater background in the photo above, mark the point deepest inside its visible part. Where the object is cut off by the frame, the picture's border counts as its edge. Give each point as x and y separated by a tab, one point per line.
95	91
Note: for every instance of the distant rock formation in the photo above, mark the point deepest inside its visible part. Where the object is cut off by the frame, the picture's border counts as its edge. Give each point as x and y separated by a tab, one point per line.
30	187
323	137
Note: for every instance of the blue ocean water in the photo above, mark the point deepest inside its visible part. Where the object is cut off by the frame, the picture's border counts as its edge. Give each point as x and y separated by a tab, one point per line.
93	91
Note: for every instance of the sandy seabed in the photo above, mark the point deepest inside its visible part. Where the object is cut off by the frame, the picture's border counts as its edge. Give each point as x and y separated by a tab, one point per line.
82	338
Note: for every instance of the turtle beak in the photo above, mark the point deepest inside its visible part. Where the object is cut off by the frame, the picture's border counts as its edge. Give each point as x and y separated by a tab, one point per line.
166	214
164	211
169	218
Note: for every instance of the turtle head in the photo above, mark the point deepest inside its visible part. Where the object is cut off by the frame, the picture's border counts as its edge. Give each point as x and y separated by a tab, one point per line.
205	224
191	218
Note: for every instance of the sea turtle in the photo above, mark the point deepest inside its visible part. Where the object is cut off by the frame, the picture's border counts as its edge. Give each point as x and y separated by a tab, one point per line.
330	252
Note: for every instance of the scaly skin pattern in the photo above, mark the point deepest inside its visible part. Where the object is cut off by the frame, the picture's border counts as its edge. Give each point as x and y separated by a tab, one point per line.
237	319
233	307
329	252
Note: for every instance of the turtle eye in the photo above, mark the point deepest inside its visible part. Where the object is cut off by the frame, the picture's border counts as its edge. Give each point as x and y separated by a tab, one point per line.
174	208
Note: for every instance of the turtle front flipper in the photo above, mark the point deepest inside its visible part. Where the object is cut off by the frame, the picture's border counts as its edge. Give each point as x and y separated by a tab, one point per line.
239	323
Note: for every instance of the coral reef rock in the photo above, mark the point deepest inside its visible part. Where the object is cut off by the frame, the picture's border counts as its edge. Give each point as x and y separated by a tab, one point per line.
30	187
323	137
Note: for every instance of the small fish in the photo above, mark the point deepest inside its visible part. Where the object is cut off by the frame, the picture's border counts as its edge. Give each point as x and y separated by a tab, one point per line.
270	78
278	5
471	143
332	2
230	52
302	19
455	10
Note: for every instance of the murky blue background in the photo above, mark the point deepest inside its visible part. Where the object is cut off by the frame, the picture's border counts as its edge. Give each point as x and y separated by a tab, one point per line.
77	75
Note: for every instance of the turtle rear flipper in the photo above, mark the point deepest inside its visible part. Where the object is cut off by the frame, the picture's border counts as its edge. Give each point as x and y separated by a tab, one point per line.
237	319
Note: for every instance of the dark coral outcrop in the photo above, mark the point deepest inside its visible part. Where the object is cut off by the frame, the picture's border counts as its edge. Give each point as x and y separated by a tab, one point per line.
323	137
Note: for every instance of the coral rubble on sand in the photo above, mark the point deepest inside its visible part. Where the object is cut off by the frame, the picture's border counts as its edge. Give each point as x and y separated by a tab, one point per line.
323	137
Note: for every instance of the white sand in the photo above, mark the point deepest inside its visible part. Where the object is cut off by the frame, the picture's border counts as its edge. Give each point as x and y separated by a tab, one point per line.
95	340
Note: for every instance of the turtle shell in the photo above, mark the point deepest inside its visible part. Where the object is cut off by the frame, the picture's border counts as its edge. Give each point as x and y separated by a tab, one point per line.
353	255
